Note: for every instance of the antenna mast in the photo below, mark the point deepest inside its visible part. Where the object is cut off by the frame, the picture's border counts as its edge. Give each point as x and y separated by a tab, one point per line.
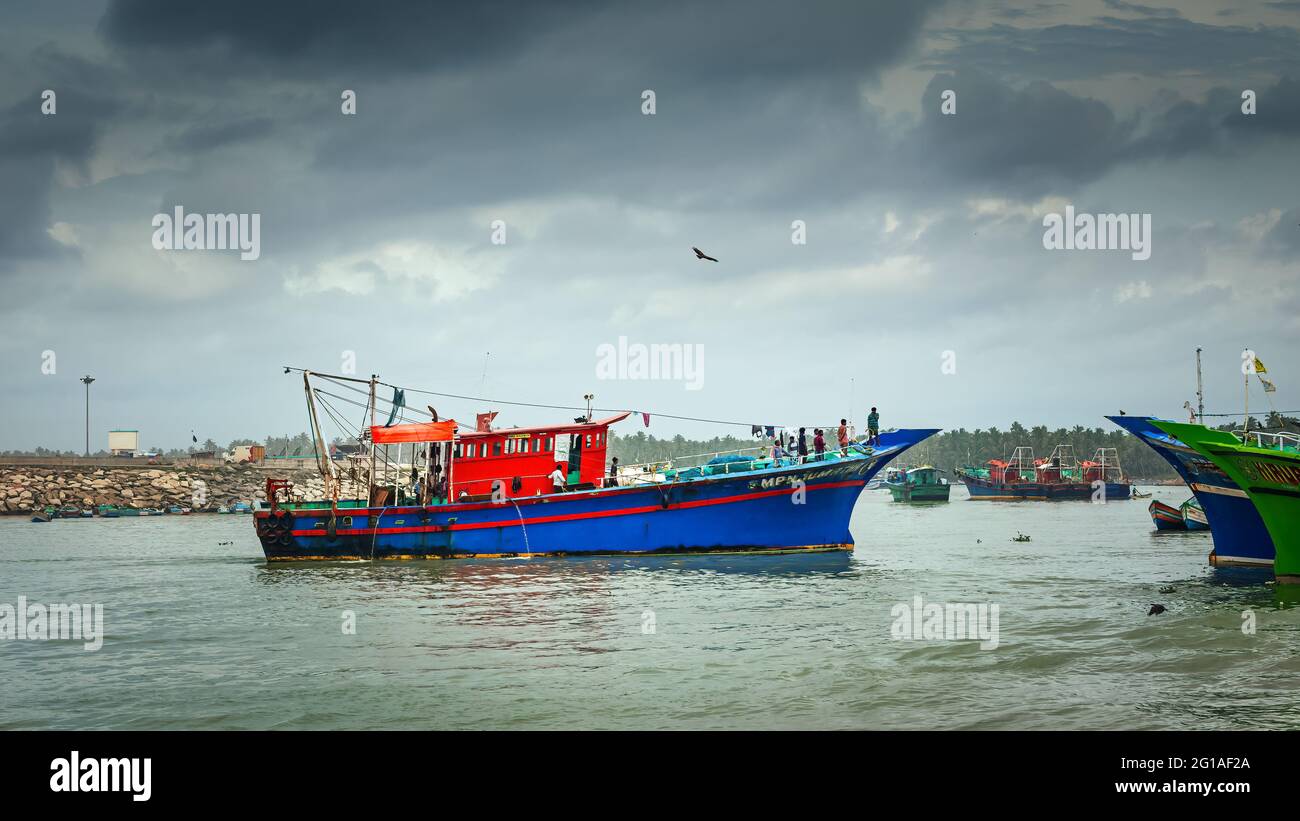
1200	391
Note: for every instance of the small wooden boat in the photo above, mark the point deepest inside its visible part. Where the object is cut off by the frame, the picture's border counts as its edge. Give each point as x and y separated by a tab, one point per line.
1193	516
1166	517
41	516
1137	494
108	511
223	509
128	511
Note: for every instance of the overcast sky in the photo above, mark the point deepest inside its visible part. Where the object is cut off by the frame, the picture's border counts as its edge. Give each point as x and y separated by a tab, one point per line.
924	230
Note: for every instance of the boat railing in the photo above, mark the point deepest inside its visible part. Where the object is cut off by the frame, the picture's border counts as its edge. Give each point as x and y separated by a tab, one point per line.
653	472
763	455
1277	440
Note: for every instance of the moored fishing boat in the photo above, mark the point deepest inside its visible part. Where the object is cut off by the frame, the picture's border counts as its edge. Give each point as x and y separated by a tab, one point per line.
489	492
1059	477
1193	516
1240	537
1267	467
1166	517
919	484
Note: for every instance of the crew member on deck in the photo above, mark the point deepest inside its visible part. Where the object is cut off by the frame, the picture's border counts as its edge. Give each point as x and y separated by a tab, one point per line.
873	428
557	479
819	443
613	473
803	445
843	435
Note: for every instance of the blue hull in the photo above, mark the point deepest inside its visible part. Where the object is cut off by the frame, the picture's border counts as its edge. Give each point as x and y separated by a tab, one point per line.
981	488
1240	537
792	508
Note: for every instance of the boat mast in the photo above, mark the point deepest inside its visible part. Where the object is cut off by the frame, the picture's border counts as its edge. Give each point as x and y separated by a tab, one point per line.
1246	426
1200	391
322	455
370	480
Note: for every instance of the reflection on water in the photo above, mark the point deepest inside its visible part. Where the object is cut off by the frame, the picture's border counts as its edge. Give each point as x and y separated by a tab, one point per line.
202	633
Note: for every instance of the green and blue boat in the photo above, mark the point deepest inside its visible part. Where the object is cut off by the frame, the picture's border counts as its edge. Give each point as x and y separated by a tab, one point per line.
919	484
1266	466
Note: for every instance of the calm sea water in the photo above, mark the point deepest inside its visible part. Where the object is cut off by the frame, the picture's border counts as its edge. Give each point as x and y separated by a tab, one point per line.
205	635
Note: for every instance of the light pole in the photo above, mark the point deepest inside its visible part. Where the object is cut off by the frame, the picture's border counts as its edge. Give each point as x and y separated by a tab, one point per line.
86	380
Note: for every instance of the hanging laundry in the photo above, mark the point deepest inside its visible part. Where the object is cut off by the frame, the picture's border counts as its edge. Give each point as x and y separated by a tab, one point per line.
756	430
399	402
770	430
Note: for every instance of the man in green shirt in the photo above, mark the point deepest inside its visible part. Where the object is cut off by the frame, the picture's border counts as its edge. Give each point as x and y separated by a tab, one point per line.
873	428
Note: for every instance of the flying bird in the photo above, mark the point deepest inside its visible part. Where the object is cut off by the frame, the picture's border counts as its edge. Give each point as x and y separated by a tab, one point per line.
701	255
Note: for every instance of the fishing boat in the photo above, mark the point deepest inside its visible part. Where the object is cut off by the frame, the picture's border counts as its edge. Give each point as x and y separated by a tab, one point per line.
1193	516
1240	537
1266	466
128	511
223	509
1059	477
451	491
1166	517
41	516
241	507
920	484
107	511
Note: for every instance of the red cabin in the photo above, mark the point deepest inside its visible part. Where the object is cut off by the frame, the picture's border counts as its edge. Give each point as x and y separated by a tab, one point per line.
523	458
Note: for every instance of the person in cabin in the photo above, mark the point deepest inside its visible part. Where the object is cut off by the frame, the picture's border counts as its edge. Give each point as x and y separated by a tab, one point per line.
803	444
613	473
819	443
557	479
843	436
873	428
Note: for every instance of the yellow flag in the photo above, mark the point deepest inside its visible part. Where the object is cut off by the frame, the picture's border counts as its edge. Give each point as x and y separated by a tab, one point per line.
1259	366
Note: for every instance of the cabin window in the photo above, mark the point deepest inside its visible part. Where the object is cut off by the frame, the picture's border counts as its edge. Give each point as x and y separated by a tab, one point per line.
589	440
455	451
510	446
496	448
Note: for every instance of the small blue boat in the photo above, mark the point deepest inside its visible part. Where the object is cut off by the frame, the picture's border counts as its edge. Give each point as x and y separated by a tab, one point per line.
1240	537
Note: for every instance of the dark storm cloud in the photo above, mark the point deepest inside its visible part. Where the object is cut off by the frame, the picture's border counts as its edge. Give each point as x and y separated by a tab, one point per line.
330	35
217	135
1218	125
33	146
1033	139
1110	45
328	39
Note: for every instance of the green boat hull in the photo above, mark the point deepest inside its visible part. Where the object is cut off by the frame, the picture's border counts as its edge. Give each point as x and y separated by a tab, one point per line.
1271	479
919	493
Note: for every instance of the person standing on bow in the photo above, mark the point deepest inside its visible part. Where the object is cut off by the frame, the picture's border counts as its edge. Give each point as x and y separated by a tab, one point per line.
873	428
